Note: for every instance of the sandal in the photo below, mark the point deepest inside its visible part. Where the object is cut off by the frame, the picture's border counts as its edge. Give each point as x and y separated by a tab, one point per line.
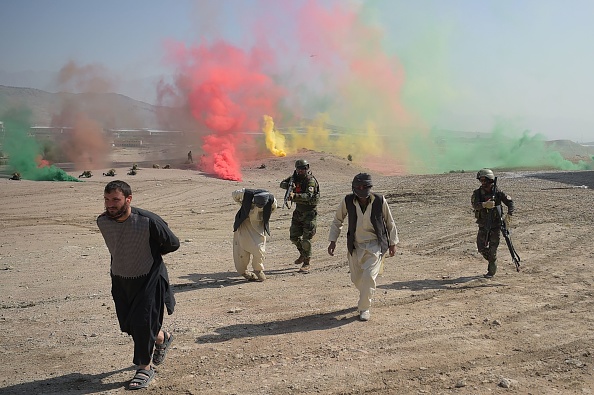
141	379
161	349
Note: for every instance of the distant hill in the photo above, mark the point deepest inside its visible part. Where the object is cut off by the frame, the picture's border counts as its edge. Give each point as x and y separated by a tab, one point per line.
112	110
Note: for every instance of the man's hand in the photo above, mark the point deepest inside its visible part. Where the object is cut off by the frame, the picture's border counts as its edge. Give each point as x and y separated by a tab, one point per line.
392	250
508	220
291	196
489	204
331	248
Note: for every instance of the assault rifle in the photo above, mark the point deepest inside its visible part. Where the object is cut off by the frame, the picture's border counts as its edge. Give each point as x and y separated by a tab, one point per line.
288	202
504	231
514	255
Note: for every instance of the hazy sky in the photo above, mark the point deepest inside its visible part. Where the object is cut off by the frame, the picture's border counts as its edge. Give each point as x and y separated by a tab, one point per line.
466	62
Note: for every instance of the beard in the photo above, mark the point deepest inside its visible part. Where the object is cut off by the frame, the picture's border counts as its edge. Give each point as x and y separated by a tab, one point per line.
118	213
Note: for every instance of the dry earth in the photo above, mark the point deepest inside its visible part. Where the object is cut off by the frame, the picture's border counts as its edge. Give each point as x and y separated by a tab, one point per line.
437	327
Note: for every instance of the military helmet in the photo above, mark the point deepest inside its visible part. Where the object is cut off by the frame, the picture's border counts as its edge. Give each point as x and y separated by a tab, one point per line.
301	163
487	173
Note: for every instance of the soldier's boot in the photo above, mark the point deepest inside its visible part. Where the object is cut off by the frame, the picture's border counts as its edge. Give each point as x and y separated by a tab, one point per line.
299	260
305	267
260	275
250	276
491	269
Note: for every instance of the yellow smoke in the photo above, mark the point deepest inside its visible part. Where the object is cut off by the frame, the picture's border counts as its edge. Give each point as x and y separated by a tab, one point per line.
275	141
361	145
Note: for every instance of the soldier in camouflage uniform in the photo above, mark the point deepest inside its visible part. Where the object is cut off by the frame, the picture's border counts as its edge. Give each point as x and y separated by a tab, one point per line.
133	170
305	193
86	174
110	173
486	202
15	176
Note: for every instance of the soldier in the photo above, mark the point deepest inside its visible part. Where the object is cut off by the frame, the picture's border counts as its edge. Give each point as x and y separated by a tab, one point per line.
156	166
250	229
486	202
132	172
371	233
15	176
304	190
190	159
110	173
134	167
86	174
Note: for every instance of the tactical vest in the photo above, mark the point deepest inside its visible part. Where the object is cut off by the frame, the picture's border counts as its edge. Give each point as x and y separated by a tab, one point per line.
302	186
483	215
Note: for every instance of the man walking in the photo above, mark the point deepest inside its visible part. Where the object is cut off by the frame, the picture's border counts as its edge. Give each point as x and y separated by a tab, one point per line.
250	229
305	192
371	232
137	239
486	202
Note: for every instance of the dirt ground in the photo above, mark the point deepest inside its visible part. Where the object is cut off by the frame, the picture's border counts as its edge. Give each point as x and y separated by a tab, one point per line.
437	326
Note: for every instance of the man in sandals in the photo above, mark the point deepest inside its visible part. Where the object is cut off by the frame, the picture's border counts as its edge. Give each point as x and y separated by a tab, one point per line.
137	239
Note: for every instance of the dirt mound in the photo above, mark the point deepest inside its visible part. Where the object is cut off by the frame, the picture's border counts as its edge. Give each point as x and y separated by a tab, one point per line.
572	151
320	162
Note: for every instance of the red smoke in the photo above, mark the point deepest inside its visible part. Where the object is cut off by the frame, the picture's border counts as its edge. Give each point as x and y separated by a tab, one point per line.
41	162
226	90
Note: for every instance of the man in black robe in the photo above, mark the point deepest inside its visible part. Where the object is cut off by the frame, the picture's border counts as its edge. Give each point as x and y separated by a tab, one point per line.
137	239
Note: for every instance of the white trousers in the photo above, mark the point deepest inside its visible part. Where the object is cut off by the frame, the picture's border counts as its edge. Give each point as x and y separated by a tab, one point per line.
365	264
241	254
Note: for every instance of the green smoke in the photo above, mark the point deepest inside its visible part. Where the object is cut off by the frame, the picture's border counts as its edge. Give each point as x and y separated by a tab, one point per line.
23	150
505	147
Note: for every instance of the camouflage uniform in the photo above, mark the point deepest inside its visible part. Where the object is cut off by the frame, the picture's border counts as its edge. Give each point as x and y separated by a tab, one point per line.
133	170
304	220
487	241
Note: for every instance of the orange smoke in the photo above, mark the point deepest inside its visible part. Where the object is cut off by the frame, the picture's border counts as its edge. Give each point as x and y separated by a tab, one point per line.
86	146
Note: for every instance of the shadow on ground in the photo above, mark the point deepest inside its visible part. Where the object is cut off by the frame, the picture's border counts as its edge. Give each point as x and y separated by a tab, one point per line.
315	322
444	284
69	384
583	178
223	279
